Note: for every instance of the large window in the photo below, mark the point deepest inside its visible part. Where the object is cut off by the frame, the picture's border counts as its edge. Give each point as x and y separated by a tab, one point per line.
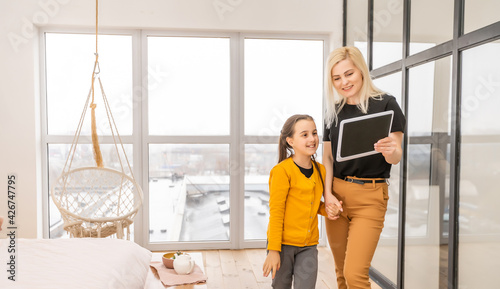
188	182
281	78
191	94
69	60
188	192
200	119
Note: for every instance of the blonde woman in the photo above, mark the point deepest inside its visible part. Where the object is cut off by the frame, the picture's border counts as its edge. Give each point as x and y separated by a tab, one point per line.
359	185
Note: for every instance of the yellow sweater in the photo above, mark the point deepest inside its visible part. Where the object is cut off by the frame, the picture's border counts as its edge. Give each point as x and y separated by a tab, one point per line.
294	204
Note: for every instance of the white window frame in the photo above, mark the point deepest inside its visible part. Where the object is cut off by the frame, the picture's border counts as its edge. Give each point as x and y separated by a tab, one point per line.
141	140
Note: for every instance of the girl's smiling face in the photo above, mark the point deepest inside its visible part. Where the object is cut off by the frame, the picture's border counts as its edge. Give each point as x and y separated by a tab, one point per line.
305	138
347	80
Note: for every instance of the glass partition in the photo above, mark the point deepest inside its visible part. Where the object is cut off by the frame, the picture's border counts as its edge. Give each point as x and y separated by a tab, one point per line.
479	217
387	32
357	25
444	76
480	13
431	24
385	259
428	165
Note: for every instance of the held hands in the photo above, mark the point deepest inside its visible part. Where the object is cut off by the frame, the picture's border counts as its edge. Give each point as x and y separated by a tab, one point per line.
333	210
272	263
333	207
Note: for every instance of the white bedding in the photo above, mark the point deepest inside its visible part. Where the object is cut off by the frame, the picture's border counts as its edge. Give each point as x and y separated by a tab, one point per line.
76	263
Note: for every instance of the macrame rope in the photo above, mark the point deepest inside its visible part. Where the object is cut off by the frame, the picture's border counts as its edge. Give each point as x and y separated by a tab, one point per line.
95	139
114	210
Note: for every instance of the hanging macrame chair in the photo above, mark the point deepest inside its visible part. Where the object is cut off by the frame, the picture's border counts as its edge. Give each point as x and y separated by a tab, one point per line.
97	201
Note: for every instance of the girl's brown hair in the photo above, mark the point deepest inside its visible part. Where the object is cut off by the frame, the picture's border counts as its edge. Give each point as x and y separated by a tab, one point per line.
284	149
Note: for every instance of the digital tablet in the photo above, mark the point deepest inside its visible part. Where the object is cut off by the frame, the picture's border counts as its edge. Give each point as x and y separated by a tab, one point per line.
357	135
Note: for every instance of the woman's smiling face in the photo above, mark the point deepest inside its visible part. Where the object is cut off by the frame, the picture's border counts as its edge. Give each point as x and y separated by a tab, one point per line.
347	80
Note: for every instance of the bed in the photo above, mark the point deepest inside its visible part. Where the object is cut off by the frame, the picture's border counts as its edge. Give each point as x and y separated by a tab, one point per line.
75	263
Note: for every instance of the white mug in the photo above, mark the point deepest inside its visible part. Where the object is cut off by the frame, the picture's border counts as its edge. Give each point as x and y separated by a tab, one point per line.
183	264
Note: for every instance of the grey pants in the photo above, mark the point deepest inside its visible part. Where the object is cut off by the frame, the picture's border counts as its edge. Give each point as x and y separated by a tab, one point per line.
299	264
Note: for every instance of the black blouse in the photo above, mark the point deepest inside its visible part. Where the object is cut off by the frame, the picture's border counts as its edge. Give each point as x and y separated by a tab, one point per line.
372	166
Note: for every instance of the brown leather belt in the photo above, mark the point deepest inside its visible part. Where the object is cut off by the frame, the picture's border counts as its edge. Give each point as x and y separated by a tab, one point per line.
362	182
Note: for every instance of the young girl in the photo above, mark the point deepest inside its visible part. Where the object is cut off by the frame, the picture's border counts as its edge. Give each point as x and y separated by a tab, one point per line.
295	188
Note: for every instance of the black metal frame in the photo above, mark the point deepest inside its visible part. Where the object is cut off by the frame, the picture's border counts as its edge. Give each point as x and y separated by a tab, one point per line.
458	28
453	47
344	23
369	34
380	279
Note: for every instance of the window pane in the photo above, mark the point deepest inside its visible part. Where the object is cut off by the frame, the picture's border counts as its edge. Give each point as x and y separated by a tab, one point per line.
428	163
357	19
385	259
188	192
259	160
83	157
387	32
479	217
421	99
69	63
282	78
480	13
392	85
188	85
431	23
419	157
481	90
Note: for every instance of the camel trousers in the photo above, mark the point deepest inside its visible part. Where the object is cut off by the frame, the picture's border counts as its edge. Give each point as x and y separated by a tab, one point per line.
354	236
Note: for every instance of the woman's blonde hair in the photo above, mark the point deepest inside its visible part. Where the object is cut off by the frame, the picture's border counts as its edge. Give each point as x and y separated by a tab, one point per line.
334	102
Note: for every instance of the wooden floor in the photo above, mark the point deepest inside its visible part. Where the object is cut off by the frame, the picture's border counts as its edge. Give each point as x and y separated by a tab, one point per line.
242	269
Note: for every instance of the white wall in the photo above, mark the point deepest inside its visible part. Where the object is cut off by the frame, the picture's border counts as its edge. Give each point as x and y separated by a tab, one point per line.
20	145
